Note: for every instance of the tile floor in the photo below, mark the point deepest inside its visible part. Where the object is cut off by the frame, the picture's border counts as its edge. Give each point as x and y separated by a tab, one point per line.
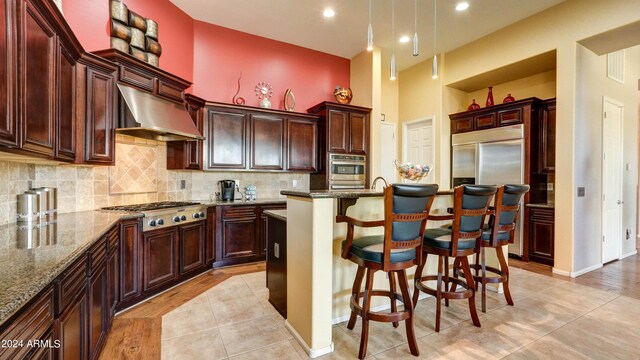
551	319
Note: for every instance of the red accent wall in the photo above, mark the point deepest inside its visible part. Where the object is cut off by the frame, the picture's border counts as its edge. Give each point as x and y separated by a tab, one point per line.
89	20
220	54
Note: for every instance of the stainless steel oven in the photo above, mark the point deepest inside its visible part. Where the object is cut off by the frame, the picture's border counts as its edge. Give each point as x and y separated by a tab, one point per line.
346	171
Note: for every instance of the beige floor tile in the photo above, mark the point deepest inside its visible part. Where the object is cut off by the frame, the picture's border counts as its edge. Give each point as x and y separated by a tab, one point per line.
345	346
280	351
547	348
625	311
382	336
239	309
194	303
250	335
279	320
256	281
197	346
196	318
229	289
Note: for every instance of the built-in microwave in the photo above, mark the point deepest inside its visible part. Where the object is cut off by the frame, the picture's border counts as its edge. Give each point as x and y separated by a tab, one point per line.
347	171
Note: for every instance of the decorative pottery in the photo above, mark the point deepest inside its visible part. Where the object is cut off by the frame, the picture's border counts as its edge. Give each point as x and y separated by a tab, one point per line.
508	99
134	34
474	105
342	95
238	100
490	97
289	100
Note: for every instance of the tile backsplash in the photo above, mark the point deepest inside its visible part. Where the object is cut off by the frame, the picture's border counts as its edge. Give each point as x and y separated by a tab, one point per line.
83	188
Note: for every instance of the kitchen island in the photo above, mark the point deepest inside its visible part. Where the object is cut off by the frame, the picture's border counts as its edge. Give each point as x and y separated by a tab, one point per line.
319	281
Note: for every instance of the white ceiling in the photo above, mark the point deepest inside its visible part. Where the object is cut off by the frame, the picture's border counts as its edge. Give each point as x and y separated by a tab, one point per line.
300	22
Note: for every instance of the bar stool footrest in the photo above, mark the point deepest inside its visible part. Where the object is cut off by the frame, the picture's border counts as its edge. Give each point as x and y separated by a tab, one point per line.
380	316
465	294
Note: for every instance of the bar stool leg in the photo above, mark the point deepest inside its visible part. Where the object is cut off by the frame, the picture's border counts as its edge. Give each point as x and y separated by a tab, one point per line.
392	293
366	306
484	280
411	335
456	265
355	294
416	279
504	268
439	293
476	267
446	279
466	269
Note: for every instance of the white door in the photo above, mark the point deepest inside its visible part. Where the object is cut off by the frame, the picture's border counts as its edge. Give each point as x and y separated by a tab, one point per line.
389	147
611	180
418	146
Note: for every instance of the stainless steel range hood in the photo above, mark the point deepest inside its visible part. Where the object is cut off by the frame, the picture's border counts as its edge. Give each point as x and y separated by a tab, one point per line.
151	117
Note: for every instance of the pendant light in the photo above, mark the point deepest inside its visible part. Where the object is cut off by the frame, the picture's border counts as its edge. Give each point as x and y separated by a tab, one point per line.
370	31
434	66
393	41
416	46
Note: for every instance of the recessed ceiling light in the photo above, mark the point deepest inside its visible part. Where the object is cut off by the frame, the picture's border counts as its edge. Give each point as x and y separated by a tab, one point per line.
329	13
404	39
462	6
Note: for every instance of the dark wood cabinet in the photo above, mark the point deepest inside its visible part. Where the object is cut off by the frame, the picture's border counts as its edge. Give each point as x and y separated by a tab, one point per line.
302	144
65	142
160	248
523	111
343	129
46	352
188	154
541	237
276	237
9	135
210	245
97	309
263	224
192	247
267	134
225	132
72	330
113	284
547	138
130	261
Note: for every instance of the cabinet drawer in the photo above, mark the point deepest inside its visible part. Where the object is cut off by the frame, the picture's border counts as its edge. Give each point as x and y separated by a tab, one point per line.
32	324
509	117
462	125
113	238
541	214
97	254
168	91
70	283
135	78
485	121
238	212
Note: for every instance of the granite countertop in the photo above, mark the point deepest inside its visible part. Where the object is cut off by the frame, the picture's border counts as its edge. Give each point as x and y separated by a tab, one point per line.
30	264
259	201
342	194
278	214
543	205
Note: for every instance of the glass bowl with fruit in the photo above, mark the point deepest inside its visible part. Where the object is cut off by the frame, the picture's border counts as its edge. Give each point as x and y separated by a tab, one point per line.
411	172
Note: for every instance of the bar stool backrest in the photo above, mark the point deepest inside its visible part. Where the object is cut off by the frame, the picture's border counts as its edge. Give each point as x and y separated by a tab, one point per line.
507	206
470	205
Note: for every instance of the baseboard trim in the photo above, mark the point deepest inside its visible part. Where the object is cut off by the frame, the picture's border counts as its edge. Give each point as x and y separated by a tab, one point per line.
313	353
634	252
383	307
574	274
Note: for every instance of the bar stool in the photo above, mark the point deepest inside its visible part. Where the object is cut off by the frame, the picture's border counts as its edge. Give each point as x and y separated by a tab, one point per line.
498	233
406	208
470	205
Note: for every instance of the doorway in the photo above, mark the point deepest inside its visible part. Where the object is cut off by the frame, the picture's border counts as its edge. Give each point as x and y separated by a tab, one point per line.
418	145
389	145
612	174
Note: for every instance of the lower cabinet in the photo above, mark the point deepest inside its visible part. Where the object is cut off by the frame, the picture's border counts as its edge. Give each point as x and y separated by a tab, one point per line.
192	247
160	257
541	228
72	330
276	234
113	284
240	235
97	300
130	262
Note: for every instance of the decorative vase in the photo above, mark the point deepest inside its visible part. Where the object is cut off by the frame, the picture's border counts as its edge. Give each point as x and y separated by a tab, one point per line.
508	99
343	95
265	103
474	105
490	97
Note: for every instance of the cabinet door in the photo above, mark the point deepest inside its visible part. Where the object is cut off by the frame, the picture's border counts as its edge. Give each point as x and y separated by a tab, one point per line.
237	240
72	331
160	257
263	225
337	122
65	144
302	146
97	301
226	140
547	154
130	260
9	120
37	54
100	118
267	142
194	148
541	228
358	130
113	284
46	352
210	248
192	250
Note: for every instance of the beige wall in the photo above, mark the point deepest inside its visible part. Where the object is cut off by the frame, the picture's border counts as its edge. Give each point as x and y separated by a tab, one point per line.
541	85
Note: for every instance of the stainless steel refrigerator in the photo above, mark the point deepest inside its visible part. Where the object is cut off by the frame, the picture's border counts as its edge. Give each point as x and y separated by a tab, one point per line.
491	157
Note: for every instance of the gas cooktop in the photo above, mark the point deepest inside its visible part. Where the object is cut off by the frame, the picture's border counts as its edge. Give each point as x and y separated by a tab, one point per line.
151	206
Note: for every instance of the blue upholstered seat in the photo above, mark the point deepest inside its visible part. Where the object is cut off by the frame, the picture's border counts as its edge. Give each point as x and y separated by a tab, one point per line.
441	238
370	248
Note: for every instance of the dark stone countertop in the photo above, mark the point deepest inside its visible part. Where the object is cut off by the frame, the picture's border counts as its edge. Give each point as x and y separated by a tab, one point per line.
542	205
278	214
259	201
343	194
28	264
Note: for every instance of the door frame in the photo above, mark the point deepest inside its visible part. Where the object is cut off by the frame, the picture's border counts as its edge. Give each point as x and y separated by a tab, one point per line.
405	127
606	99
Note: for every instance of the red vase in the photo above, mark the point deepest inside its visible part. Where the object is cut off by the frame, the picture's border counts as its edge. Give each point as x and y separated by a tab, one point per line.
508	99
490	96
473	106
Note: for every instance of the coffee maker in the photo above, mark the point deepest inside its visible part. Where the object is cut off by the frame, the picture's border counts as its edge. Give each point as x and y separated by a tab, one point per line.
227	190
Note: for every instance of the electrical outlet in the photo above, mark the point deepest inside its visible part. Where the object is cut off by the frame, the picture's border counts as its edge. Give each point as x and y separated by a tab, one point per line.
581	191
294	183
550	186
238	184
183	184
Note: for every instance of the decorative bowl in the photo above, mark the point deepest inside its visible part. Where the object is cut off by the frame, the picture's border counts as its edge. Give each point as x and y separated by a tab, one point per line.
410	171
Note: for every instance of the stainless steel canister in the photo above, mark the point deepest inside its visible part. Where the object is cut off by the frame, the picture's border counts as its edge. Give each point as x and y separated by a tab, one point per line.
28	208
29	235
42	201
52	200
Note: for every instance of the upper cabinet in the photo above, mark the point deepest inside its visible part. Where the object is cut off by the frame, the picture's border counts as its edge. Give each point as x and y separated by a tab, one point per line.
547	137
38	56
343	128
255	139
518	112
187	155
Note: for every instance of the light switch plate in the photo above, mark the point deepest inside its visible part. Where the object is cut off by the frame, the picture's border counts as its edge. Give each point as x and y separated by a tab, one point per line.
581	191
